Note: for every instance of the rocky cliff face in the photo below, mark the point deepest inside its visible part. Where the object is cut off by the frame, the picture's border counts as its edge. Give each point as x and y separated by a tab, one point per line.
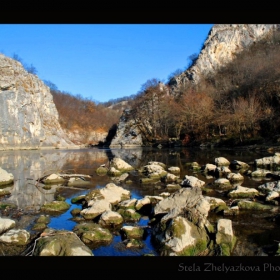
28	116
224	41
128	134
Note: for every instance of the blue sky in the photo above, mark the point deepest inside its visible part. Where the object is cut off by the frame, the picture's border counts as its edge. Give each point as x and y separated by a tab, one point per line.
103	61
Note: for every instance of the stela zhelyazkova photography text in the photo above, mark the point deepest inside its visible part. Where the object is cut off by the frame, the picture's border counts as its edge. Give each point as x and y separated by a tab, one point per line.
211	267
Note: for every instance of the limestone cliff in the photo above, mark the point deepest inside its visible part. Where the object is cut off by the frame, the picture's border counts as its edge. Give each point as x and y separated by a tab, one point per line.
28	116
128	133
224	41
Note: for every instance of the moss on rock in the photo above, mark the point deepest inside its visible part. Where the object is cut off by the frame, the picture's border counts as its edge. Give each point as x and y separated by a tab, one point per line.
55	206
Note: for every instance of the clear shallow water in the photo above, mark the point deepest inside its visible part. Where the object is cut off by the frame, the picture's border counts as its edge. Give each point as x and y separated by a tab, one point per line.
27	166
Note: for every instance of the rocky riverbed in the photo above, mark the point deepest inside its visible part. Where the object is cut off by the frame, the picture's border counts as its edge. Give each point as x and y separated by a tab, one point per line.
202	213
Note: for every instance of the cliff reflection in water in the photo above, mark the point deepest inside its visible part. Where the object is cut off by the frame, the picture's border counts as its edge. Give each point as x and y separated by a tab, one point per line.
28	166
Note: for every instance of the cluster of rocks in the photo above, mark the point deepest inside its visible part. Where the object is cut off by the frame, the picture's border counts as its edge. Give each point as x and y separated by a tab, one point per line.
178	219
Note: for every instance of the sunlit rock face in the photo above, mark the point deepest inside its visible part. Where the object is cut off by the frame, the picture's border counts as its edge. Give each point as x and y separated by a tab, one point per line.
128	133
28	116
224	41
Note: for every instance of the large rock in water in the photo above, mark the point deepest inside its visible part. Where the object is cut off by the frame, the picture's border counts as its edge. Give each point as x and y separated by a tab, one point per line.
186	201
60	243
28	116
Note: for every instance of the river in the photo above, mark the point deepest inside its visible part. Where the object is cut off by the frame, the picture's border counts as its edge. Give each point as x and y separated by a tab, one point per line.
256	232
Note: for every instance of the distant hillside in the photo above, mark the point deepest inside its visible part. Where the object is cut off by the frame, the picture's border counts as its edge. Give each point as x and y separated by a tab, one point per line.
84	121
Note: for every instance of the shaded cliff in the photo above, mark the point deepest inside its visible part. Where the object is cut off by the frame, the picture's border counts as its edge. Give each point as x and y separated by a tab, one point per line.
28	116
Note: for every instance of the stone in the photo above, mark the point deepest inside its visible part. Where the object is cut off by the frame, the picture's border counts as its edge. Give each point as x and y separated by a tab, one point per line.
96	208
60	243
78	199
55	206
235	177
120	165
236	164
221	161
242	192
15	237
174	169
184	200
110	218
126	204
191	181
101	170
53	179
6	178
132	232
6	224
129	215
268	161
183	238
141	202
225	237
114	194
214	202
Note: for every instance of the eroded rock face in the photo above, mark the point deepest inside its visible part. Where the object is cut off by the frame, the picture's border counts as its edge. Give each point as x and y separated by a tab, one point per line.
128	133
224	41
28	116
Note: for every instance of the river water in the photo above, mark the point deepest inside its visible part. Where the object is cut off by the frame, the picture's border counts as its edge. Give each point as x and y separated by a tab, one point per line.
256	232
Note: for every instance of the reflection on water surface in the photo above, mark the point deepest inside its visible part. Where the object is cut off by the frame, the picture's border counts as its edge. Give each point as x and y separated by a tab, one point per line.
28	166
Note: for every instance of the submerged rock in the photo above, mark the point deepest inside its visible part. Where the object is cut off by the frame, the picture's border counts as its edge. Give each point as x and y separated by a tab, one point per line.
101	170
129	215
93	234
55	206
132	232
